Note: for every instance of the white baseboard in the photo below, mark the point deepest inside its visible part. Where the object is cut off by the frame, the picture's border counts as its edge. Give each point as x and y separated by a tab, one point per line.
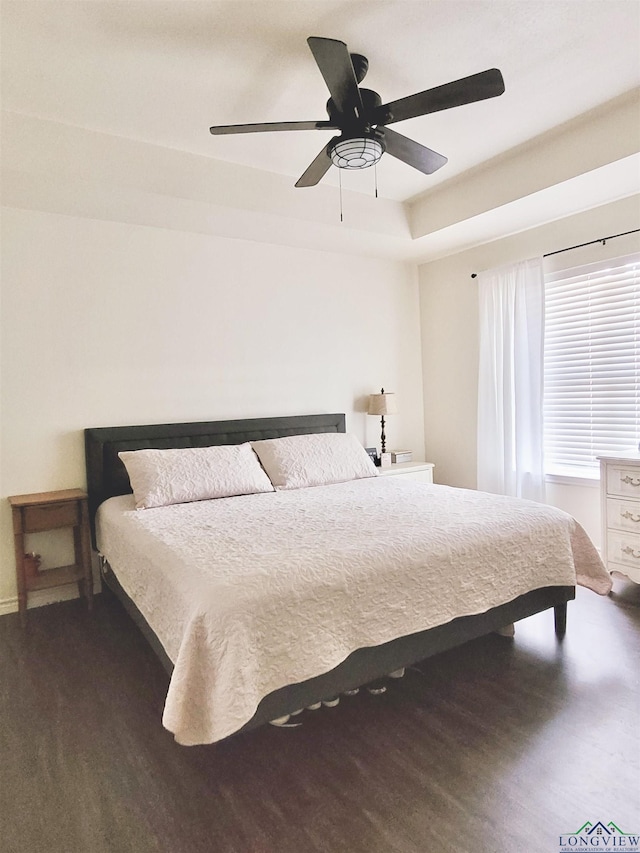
8	605
42	597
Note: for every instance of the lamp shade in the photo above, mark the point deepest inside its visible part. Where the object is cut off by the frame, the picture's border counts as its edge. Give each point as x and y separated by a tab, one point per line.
382	404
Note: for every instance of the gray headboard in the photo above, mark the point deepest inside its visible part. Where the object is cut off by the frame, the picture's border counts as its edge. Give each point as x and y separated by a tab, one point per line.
107	476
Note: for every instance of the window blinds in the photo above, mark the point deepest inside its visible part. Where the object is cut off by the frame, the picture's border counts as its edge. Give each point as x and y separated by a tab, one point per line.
591	365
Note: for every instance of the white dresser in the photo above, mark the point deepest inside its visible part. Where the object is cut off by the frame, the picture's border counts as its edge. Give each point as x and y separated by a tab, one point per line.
422	471
620	489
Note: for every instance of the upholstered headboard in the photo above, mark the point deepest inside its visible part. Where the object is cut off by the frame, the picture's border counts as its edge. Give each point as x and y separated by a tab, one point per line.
107	476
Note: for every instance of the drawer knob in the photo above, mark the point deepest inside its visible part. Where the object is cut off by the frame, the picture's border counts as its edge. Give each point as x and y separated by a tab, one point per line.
632	553
631	481
631	516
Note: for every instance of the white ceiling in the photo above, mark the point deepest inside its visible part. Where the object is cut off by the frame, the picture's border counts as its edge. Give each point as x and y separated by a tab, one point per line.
162	72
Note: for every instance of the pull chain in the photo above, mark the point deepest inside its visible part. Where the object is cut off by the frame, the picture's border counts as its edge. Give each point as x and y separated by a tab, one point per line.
340	184
375	173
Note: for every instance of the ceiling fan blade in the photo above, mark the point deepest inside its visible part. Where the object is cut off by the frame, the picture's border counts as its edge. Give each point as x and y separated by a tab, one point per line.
316	170
220	130
334	62
412	153
477	87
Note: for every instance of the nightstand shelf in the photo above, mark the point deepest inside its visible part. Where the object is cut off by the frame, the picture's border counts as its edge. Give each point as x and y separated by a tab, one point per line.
45	511
56	577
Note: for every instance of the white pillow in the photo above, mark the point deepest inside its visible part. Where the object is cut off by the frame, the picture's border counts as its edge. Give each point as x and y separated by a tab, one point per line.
180	475
297	461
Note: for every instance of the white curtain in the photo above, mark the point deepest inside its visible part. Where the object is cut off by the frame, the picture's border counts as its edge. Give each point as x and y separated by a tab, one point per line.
510	380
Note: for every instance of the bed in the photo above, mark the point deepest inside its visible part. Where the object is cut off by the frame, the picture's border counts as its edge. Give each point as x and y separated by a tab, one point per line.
241	655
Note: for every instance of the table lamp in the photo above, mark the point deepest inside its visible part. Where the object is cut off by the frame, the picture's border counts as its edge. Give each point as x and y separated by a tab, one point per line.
382	404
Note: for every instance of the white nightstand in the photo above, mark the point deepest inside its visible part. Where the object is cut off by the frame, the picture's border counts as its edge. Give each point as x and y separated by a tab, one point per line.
620	489
422	471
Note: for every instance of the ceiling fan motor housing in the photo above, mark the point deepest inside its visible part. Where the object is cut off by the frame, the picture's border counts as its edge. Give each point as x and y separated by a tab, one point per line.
357	124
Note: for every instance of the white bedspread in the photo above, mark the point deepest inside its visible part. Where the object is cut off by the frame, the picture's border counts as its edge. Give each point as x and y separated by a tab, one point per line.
249	594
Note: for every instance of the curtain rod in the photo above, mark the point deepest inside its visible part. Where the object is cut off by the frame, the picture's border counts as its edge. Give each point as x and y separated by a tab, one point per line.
602	240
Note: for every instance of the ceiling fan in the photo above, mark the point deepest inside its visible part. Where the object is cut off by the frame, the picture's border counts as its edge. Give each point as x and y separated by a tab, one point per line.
362	118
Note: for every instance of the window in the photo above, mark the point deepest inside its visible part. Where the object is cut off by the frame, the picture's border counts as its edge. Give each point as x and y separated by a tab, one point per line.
591	365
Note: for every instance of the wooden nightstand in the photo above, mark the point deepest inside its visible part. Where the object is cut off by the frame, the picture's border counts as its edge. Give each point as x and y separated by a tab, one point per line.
50	511
421	471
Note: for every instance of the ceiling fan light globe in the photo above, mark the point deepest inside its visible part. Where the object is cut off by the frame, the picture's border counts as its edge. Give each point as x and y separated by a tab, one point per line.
356	153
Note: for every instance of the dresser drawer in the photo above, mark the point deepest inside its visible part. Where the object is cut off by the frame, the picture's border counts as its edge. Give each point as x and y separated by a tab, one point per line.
623	515
50	516
420	471
420	476
623	548
623	480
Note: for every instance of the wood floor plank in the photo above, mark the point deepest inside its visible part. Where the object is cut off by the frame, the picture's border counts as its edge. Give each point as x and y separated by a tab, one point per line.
500	745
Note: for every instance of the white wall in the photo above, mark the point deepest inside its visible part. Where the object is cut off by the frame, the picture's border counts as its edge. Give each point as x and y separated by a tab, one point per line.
107	323
449	319
146	285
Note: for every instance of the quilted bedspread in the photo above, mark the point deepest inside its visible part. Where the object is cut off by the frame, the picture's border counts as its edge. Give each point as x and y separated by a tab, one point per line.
248	594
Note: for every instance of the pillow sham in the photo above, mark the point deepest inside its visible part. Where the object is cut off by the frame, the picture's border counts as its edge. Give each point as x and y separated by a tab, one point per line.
298	461
181	475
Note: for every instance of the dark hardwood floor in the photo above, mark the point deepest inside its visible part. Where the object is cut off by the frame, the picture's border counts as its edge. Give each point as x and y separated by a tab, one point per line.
500	745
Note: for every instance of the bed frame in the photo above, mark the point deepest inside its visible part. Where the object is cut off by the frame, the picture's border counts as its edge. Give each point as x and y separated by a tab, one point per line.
107	477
